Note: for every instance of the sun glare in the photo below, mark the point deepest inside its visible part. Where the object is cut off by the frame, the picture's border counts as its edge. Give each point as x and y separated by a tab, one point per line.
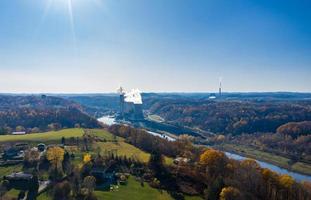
67	6
70	9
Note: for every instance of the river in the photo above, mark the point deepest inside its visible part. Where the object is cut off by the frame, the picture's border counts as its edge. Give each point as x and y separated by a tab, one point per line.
297	176
110	120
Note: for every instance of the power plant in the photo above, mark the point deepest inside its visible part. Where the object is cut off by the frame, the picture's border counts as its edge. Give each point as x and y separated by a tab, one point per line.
131	105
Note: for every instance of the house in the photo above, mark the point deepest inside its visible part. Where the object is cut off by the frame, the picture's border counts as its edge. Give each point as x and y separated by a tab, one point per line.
13	154
19	180
181	160
103	178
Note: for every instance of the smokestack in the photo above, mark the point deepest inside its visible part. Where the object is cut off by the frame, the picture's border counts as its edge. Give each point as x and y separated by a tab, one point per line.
220	87
121	92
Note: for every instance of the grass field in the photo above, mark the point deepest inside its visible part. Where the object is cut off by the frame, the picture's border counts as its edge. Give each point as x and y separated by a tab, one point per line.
134	191
268	157
9	169
123	149
251	152
301	167
156	118
11	194
44	196
43	137
103	134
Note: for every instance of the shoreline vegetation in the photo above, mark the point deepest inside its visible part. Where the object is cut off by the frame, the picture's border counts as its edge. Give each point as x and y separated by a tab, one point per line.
264	156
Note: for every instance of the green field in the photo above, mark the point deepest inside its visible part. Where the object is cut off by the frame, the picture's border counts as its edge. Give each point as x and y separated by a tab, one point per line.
134	191
11	194
156	118
123	149
301	167
103	134
9	169
43	137
267	157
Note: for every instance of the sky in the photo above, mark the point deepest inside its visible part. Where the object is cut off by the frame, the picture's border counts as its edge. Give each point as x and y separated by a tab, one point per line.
96	46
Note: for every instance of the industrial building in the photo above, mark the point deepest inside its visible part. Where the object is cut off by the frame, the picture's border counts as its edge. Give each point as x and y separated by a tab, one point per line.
131	105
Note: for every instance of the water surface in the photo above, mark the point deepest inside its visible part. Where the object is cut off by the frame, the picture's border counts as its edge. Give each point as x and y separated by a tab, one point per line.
297	176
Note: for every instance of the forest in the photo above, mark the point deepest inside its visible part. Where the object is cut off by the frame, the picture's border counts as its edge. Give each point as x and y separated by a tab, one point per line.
209	172
291	140
41	113
97	105
232	116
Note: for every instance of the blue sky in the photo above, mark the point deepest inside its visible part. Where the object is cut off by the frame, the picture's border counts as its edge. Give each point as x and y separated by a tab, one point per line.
154	45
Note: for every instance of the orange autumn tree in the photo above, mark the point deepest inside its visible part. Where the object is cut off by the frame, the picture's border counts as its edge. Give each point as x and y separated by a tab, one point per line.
55	155
215	163
87	158
229	193
286	181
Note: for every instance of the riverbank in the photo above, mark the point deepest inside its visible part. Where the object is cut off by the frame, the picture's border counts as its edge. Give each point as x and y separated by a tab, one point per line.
280	161
273	162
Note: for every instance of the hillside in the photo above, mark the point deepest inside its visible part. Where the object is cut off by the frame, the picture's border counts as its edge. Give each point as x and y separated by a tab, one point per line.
97	105
231	116
40	113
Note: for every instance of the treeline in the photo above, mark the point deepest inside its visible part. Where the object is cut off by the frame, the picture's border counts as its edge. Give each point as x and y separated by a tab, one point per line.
41	113
145	141
296	149
232	117
292	140
295	129
97	105
210	173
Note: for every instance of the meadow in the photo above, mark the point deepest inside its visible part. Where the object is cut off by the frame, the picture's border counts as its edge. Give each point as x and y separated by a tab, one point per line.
132	190
43	137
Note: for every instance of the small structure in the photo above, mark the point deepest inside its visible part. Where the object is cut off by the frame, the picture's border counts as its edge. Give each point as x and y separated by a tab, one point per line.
105	177
19	180
212	96
18	133
41	147
13	154
22	146
181	160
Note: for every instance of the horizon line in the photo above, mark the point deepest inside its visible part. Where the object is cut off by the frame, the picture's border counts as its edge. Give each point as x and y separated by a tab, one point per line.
148	92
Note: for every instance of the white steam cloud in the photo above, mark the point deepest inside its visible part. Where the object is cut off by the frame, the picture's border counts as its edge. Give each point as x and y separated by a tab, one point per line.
134	96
